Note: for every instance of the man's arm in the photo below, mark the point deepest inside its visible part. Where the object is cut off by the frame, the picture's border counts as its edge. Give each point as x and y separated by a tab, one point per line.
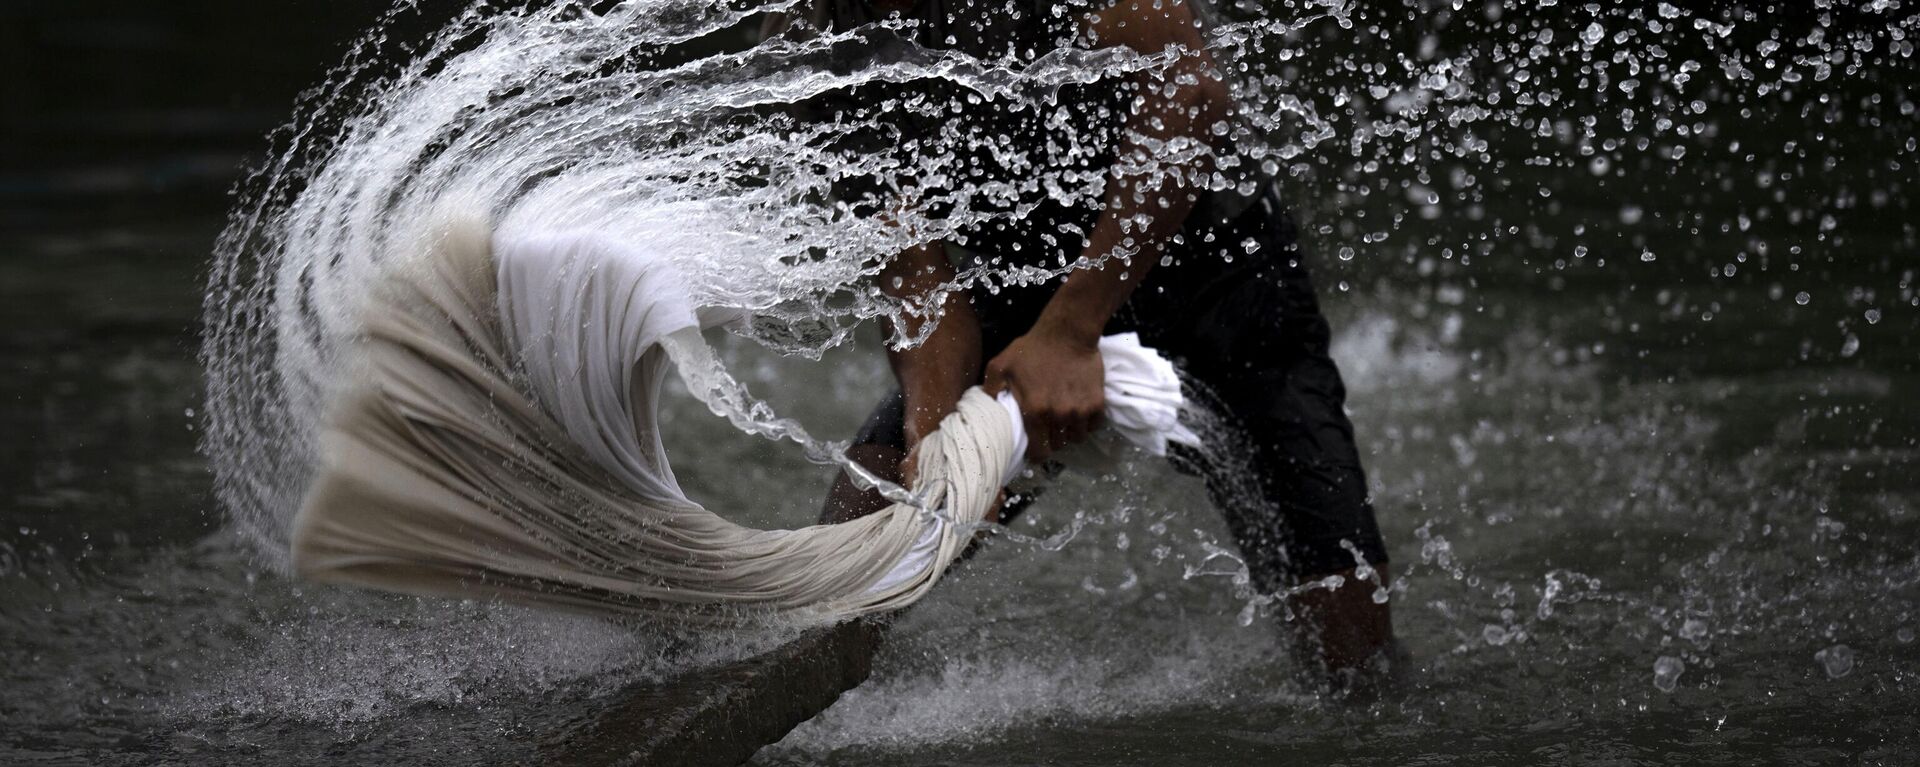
934	374
1055	369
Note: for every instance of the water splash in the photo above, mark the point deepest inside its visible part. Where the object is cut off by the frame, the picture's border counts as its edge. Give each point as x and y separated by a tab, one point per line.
561	116
571	114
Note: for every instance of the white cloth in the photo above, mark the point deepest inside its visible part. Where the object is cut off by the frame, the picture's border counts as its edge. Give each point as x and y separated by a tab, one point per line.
1143	406
498	440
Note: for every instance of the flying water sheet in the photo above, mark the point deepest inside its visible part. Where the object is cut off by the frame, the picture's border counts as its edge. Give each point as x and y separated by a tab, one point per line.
495	438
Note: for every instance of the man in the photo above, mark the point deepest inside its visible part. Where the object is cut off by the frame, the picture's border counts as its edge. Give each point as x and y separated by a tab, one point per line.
1208	273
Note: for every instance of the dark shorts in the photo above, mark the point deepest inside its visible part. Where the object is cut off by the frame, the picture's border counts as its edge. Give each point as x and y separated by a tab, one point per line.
1249	333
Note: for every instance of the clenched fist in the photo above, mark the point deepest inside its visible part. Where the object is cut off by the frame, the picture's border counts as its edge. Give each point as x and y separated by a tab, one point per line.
1060	383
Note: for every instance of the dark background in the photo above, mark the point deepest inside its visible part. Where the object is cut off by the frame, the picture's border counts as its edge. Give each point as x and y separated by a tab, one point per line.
125	125
122	101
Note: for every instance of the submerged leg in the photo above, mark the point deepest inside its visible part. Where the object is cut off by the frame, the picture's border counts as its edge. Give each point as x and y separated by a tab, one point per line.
1302	512
1285	471
1346	634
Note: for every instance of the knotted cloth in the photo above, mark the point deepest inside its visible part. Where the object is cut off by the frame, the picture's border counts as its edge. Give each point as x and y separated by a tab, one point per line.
495	438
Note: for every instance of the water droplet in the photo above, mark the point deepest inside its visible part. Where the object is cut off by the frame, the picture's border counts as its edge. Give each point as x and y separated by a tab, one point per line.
1250	245
1837	660
1592	34
1667	671
1346	253
1495	635
1873	316
1802	298
1905	635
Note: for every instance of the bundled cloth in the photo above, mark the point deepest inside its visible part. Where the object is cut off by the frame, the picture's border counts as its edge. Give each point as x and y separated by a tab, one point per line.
496	439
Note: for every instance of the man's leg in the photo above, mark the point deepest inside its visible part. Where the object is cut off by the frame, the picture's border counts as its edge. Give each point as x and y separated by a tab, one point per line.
1292	489
1293	514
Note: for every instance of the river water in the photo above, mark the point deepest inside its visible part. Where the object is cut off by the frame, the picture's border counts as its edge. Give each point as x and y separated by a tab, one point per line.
1636	421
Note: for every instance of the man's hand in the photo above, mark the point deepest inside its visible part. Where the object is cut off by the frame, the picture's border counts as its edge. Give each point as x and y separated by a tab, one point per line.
1060	383
1055	369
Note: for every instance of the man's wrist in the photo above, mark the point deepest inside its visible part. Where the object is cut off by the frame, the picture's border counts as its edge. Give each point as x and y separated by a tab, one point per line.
1076	327
924	408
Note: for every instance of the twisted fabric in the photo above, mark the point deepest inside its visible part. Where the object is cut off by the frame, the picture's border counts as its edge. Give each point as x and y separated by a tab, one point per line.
496	440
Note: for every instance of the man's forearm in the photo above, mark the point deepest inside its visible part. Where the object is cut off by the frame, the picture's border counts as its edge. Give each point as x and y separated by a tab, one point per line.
936	372
1165	155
